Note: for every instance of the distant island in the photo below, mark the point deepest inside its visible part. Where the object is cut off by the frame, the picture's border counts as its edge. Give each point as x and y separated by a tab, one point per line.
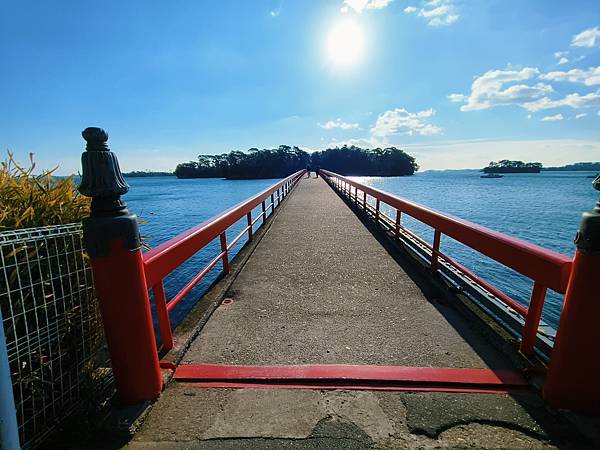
285	160
578	167
147	173
507	166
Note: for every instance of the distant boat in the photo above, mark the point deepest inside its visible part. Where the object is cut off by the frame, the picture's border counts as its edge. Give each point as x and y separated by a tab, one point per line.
491	175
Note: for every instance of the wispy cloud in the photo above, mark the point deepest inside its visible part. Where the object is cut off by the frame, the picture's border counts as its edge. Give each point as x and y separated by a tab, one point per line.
400	121
338	123
562	57
359	6
589	77
587	38
553	118
579	116
575	101
436	12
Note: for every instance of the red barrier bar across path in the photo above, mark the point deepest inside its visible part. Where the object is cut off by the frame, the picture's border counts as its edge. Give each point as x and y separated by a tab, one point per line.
548	269
352	377
164	259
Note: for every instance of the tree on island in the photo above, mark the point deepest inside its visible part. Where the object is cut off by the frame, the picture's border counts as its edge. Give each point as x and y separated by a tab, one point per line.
285	160
387	162
508	166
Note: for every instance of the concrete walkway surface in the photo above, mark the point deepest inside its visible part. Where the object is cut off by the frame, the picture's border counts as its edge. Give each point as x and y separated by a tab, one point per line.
319	288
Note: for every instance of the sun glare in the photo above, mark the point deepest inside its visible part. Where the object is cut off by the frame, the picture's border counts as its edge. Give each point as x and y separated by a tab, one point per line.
345	43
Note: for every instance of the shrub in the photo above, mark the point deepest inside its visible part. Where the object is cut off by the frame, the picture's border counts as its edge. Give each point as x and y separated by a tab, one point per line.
28	200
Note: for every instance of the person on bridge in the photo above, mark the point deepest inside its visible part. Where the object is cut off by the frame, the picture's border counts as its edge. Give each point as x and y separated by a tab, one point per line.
308	171
317	171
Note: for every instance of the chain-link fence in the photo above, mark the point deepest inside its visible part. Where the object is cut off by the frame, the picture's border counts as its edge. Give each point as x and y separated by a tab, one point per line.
55	342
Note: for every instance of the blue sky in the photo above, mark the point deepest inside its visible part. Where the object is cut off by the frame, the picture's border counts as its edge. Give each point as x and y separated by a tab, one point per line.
457	83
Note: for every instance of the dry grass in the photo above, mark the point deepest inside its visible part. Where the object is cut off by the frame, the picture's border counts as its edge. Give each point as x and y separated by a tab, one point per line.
28	200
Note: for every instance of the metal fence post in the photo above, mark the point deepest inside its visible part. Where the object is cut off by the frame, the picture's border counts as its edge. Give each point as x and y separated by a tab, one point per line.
9	430
574	370
112	240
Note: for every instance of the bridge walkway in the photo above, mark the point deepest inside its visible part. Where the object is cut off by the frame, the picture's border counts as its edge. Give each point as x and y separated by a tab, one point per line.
319	288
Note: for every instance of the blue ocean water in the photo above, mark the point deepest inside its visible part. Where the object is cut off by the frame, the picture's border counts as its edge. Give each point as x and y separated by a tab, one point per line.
541	208
168	206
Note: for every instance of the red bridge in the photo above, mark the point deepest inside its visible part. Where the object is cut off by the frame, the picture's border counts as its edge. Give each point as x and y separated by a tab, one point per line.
335	324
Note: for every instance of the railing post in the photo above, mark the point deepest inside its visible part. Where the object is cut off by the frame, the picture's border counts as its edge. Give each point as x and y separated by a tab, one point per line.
112	240
398	223
365	201
264	211
532	321
249	221
162	315
437	238
377	204
223	238
272	203
574	370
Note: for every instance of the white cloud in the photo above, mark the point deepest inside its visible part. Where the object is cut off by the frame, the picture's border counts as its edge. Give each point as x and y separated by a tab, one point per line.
589	77
553	118
587	38
436	12
378	4
455	98
559	55
579	116
562	61
359	6
490	90
499	88
338	123
575	101
400	121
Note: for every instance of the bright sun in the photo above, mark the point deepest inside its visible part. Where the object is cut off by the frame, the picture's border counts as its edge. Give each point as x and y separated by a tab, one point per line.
345	43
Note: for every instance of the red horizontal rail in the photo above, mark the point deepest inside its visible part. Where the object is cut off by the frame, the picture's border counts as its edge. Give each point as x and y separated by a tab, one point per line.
193	282
162	260
351	376
522	310
549	268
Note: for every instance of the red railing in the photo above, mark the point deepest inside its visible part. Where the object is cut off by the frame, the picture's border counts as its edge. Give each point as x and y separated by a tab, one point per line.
547	269
164	259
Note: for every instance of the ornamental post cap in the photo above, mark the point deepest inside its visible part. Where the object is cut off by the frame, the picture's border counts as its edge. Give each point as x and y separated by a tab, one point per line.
95	139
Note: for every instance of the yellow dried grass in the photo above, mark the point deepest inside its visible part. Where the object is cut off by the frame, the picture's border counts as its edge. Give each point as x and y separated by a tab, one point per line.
28	200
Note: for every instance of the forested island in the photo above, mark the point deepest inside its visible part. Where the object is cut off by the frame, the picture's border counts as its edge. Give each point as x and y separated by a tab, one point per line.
285	160
507	166
578	167
147	173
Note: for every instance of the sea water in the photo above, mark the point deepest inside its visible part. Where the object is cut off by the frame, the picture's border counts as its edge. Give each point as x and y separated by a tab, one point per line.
541	208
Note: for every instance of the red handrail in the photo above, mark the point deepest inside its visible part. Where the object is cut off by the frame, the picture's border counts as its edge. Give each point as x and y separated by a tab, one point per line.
548	269
164	259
